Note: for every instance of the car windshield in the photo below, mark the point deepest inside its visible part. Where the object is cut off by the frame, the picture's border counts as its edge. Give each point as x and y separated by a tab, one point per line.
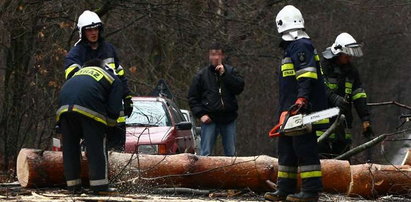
148	113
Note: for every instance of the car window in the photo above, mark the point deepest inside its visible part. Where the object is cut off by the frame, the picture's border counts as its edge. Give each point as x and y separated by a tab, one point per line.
149	113
178	116
186	117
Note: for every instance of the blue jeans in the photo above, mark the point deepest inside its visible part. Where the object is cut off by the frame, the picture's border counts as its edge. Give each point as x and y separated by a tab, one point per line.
209	133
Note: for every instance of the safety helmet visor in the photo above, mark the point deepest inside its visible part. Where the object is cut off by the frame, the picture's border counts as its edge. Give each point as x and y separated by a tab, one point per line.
353	50
92	26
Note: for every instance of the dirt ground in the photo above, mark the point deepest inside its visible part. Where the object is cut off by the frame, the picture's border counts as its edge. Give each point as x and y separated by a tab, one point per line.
13	192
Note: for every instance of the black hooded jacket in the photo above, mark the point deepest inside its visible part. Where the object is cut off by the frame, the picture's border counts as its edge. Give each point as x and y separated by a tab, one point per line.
215	95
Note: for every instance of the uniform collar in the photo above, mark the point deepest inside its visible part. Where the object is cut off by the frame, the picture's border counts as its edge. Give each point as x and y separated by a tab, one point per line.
294	35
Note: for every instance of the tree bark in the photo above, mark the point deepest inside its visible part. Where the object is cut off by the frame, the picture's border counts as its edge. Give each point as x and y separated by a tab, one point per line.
36	168
371	180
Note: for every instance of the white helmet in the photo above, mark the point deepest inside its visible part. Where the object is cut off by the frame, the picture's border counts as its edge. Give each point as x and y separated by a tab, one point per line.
345	43
289	18
88	19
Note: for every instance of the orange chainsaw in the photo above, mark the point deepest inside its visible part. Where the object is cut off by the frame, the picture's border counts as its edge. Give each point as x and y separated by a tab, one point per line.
301	123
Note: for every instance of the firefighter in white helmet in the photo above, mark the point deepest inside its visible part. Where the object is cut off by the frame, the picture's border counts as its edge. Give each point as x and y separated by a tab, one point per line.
91	45
344	89
301	90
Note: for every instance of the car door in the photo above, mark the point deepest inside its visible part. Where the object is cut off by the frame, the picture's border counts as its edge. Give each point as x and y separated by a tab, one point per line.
184	137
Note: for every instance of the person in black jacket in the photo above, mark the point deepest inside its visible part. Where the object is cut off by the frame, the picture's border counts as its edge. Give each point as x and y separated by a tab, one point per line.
92	45
344	90
212	99
89	102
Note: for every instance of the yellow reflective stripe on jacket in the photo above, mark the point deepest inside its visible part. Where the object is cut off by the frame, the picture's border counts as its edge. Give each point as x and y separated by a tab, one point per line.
310	174
86	112
282	174
128	97
359	95
110	63
332	86
348	87
312	75
288	73
61	110
70	69
317	57
287	69
121	72
96	75
287	60
287	66
121	119
106	75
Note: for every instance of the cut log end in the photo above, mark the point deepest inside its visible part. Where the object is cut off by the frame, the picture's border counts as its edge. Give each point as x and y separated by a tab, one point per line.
23	169
407	158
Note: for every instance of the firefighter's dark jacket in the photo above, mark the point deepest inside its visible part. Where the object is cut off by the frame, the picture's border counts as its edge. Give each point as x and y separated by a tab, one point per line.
300	76
93	92
215	95
344	81
82	53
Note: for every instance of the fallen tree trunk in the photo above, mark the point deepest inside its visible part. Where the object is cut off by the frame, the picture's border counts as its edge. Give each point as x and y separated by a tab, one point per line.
42	169
36	168
370	180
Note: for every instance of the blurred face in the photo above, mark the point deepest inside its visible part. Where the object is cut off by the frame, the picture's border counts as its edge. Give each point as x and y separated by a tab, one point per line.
344	59
216	57
92	34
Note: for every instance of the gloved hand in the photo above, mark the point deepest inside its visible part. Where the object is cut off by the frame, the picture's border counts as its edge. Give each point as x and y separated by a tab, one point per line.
274	131
367	130
300	104
342	103
128	107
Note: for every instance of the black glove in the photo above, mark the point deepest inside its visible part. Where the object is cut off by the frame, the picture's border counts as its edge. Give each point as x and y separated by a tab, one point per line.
128	107
342	103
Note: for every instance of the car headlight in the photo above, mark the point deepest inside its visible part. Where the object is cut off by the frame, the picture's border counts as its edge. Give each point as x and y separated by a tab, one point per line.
148	149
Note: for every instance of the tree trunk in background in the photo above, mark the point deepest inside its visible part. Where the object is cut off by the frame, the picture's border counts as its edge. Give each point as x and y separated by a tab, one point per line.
19	55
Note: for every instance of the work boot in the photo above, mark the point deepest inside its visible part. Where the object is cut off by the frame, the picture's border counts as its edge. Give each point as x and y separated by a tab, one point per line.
276	196
106	192
304	196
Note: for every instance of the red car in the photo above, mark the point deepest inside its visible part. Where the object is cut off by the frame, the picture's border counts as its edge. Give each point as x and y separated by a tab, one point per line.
157	126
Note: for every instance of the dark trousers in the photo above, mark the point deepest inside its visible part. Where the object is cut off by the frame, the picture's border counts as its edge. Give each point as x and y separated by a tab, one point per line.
116	137
74	127
299	155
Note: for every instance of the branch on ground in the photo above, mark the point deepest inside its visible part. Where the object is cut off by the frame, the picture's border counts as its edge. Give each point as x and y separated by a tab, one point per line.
367	145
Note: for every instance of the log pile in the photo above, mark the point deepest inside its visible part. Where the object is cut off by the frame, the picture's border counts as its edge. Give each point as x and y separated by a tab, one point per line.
37	168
